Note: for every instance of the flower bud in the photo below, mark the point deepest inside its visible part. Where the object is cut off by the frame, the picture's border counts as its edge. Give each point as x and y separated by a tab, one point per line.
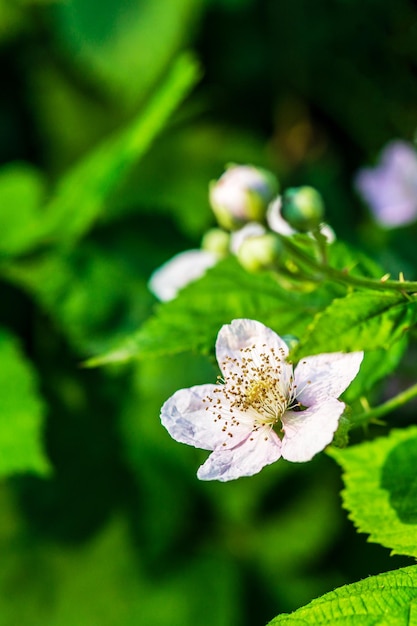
302	208
242	195
260	253
216	241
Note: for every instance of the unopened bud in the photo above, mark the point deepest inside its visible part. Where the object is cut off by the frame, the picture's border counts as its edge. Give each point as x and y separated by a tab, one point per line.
216	241
242	195
260	253
302	208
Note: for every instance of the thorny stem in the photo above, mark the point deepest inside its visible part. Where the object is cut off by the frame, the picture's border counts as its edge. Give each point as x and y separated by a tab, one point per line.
306	261
385	408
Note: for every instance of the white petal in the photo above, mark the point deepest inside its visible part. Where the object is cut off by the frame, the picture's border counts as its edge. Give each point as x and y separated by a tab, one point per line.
310	431
185	417
176	273
325	375
250	334
259	449
252	229
275	220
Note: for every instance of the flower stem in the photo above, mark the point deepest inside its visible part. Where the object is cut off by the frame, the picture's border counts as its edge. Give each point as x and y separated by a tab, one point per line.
309	262
385	408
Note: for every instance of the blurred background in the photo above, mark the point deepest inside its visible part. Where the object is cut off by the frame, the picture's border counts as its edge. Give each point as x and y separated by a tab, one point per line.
102	518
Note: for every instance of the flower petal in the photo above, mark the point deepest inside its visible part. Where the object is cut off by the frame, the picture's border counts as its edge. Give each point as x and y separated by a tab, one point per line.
325	375
179	271
390	187
252	229
308	432
258	339
260	449
189	418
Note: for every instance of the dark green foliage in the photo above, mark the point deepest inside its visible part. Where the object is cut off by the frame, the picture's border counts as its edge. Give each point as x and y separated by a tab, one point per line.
114	118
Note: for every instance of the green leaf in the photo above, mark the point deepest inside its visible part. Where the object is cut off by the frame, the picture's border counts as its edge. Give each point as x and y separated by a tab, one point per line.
362	320
21	413
191	321
126	45
94	293
82	193
381	489
376	365
22	191
106	582
385	600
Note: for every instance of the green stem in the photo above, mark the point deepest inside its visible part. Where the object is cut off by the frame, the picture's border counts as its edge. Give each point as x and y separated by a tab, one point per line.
385	408
355	281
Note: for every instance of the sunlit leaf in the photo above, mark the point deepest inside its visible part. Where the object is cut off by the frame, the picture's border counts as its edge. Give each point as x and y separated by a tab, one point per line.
385	600
362	320
381	489
191	321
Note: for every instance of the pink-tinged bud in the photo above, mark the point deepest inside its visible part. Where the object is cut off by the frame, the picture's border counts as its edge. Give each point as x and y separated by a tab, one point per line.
242	195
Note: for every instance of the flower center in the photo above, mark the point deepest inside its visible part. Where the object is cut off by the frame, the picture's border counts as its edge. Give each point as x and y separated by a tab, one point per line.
257	390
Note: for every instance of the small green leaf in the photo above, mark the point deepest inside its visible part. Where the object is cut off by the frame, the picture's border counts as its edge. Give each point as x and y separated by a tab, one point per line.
362	320
191	321
126	45
381	489
21	413
81	194
22	191
388	599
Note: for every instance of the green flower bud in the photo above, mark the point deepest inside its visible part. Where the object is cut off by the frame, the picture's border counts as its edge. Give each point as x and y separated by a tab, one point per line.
217	241
242	194
260	253
302	208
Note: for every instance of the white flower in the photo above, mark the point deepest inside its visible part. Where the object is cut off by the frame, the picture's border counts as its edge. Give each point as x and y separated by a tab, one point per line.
263	408
179	271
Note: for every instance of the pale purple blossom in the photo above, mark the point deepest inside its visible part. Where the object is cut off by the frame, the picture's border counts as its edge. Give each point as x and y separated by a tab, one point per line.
390	188
262	408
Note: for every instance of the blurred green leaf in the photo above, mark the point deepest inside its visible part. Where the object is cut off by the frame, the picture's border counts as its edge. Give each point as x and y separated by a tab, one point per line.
381	489
362	320
385	600
21	413
173	177
82	193
191	321
95	293
105	583
126	44
22	193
